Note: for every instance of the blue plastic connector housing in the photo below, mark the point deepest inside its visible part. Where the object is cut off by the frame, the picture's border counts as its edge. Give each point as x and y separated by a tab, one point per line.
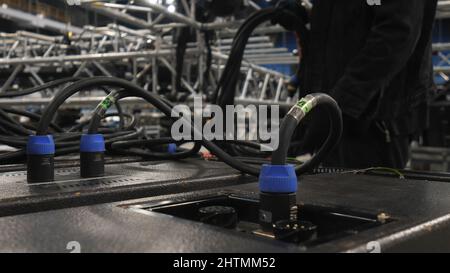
278	179
172	148
92	143
40	145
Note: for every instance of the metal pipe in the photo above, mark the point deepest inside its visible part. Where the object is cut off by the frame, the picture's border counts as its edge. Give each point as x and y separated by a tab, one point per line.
151	7
101	8
256	68
74	101
441	46
89	57
36	20
41	37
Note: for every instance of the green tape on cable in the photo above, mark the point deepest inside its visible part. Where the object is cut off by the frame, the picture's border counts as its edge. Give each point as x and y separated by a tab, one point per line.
107	102
305	104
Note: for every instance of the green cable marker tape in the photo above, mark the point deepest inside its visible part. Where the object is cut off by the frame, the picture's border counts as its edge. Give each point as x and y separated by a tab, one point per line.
107	102
305	105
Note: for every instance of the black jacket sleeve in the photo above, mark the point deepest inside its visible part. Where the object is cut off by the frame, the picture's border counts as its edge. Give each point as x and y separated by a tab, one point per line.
392	39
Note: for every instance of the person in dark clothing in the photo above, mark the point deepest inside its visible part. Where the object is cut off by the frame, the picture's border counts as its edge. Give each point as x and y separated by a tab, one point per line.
375	61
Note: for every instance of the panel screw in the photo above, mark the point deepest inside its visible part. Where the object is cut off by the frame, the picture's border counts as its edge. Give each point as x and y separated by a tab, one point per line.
383	217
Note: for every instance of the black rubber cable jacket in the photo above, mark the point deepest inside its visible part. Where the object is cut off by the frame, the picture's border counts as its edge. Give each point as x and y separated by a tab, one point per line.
157	155
231	74
20	155
146	142
66	93
289	124
12	123
134	90
13	127
119	110
131	124
287	129
10	156
207	35
119	147
38	88
183	36
32	116
118	95
231	59
21	142
225	91
75	149
62	96
155	100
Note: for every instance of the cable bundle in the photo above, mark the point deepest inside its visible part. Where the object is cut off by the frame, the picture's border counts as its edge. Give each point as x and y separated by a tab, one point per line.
226	89
67	140
130	140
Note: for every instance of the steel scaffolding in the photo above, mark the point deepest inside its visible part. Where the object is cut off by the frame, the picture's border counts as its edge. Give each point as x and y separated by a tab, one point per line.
141	53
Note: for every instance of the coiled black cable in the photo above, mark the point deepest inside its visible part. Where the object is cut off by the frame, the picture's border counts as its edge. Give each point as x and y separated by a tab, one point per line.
134	90
224	94
29	91
115	97
131	124
225	91
31	116
295	116
12	125
14	133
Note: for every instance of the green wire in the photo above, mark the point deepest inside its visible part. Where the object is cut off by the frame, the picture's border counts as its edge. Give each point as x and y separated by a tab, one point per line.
392	170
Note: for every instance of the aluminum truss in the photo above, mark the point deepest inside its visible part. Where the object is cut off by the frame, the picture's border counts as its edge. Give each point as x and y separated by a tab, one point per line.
142	54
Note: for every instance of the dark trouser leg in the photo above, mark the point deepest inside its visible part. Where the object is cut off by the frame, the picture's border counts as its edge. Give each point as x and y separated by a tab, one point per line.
369	149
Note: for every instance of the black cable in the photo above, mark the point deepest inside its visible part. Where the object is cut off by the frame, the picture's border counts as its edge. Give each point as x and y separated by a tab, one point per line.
11	157
155	100
225	90
145	142
32	90
13	126
62	96
294	117
155	155
207	35
116	96
119	146
119	110
31	116
182	40
21	142
131	124
133	134
12	142
242	148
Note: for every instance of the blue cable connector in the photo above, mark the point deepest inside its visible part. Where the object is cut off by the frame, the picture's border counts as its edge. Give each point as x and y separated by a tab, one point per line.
92	143
40	159
40	145
172	148
278	179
